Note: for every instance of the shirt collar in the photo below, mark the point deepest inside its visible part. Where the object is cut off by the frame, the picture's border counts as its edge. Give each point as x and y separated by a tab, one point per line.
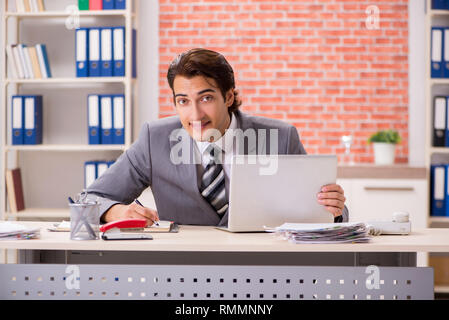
225	143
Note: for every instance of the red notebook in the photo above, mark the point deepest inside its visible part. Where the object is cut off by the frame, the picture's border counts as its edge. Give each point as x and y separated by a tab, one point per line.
95	4
15	190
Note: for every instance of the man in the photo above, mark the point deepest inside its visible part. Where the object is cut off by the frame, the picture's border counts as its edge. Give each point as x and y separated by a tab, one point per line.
194	190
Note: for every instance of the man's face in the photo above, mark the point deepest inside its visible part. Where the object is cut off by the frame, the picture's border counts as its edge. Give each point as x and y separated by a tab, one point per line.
201	107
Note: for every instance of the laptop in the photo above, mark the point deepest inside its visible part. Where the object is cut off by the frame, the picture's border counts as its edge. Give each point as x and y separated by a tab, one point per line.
269	190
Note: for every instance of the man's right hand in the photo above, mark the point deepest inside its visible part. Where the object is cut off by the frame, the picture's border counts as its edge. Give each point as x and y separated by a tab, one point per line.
131	211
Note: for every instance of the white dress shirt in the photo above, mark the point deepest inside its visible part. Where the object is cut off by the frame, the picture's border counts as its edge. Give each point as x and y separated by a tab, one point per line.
226	144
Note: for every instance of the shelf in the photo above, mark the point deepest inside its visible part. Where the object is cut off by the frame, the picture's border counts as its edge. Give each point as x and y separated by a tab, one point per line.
439	149
57	14
88	80
435	81
439	12
41	213
441	289
65	147
439	219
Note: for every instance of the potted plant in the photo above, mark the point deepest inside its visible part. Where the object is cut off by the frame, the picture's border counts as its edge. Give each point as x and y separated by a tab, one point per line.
384	142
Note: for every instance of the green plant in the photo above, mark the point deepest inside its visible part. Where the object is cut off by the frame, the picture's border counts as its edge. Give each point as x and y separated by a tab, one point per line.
387	136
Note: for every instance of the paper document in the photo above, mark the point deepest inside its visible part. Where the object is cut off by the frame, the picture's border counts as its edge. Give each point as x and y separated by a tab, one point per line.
324	232
14	231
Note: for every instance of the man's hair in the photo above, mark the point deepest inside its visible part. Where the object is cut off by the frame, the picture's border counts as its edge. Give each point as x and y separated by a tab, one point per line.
206	63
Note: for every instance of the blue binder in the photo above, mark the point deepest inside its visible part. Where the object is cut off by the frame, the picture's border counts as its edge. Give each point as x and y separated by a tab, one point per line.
94	118
90	173
118	103
106	119
134	53
82	52
110	163
440	4
446	131
119	51
33	119
438	187
436	57
94	52
445	53
120	4
446	191
17	120
106	52
108	4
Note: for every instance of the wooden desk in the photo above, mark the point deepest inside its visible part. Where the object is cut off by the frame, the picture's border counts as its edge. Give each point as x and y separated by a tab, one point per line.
201	254
202	238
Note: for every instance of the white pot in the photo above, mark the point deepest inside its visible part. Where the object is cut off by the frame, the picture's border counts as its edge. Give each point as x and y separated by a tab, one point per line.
384	153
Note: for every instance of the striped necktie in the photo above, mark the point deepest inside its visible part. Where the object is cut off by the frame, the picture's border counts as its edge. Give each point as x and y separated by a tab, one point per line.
213	182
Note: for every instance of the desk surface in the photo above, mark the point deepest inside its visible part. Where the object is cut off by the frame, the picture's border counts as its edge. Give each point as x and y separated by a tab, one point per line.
201	238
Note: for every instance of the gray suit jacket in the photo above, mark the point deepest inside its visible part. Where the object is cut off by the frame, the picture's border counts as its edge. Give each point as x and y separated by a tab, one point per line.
147	163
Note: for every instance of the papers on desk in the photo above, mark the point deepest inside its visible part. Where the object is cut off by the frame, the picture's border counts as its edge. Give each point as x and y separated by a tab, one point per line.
324	232
14	231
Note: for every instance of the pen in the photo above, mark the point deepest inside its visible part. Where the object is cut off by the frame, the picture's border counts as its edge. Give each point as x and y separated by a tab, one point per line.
138	202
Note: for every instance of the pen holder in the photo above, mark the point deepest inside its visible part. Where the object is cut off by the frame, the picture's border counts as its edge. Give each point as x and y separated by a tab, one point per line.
84	221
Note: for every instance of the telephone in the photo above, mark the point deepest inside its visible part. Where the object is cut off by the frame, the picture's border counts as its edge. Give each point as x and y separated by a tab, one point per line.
400	224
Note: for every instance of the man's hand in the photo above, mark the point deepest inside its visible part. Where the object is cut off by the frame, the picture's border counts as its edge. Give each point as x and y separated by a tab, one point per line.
332	197
131	211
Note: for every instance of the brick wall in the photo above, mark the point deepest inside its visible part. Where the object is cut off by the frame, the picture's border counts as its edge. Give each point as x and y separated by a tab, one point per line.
312	63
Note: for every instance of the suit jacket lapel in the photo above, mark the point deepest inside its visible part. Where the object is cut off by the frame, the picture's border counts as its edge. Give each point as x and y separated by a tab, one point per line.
187	172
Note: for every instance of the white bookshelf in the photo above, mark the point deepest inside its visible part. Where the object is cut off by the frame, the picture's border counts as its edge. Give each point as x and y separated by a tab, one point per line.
434	87
11	23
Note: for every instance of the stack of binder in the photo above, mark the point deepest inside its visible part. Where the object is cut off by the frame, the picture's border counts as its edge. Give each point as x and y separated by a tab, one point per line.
100	52
440	121
101	4
106	119
26	118
28	62
30	5
439	189
93	170
440	4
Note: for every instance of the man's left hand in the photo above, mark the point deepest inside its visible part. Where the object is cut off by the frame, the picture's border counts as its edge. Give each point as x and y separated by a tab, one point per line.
332	197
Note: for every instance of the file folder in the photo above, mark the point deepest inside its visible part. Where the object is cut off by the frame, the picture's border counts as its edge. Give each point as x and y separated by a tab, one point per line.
82	52
439	121
446	196
33	119
446	135
29	66
95	4
134	53
102	166
23	61
94	118
119	51
17	120
437	45
446	53
438	178
108	4
94	52
83	4
90	173
106	52
44	65
106	119
120	4
440	4
15	51
118	102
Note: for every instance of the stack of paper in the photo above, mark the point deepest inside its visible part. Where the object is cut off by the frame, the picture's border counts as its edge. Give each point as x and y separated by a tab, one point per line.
13	231
324	232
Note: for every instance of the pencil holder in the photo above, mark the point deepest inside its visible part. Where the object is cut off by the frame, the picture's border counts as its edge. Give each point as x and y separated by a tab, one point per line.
84	224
